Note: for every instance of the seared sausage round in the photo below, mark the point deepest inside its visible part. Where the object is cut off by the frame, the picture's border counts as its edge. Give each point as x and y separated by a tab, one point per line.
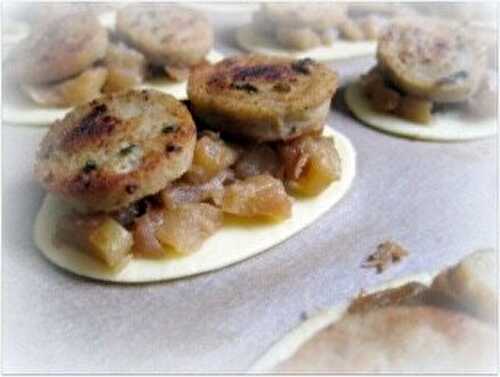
117	149
431	59
58	50
262	98
166	34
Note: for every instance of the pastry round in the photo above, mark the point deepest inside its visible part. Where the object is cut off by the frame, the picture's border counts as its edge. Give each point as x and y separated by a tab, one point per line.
449	125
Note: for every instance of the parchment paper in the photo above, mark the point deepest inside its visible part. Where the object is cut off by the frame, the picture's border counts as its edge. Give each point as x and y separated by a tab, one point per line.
437	200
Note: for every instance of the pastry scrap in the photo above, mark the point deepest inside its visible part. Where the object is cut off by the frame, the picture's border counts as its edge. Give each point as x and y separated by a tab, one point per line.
387	253
140	182
408	327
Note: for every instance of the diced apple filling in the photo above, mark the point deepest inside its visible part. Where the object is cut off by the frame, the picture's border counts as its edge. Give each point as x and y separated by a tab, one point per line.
126	68
241	181
186	227
144	231
311	164
415	109
211	156
257	196
260	159
385	99
179	193
99	235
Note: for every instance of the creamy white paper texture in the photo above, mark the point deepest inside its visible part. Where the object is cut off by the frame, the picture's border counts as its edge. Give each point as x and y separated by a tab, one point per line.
435	199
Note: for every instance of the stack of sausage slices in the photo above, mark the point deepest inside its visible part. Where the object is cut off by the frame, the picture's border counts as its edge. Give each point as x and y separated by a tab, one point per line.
146	175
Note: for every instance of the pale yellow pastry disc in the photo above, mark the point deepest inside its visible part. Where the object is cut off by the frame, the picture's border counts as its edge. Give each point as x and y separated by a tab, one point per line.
251	41
20	110
452	125
233	243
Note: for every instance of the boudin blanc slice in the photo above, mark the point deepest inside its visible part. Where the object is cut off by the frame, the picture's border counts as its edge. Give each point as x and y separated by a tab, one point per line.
165	34
263	98
58	50
117	149
431	59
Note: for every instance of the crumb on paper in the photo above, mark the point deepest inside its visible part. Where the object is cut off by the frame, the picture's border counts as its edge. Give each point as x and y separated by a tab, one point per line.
387	253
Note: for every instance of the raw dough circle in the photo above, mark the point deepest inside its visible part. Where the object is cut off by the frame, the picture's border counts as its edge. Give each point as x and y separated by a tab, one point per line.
445	126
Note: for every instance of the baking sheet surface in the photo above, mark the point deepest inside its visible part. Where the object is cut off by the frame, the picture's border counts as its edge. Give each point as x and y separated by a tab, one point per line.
434	199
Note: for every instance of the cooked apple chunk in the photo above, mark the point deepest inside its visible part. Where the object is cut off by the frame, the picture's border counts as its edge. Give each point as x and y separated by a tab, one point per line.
382	97
144	232
311	164
418	110
99	235
186	227
180	192
211	156
126	68
260	159
386	99
258	196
